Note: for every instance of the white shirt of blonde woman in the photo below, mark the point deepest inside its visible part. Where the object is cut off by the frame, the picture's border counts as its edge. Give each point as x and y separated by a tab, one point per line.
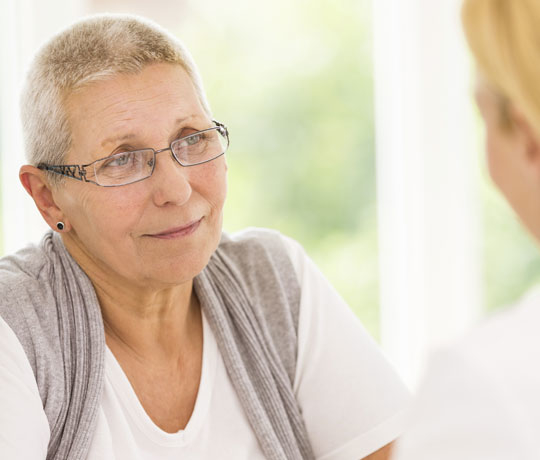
480	400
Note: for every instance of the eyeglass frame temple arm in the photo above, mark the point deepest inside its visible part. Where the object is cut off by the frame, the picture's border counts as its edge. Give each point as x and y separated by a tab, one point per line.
67	170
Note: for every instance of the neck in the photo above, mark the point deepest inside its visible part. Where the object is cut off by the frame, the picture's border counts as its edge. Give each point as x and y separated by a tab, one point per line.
156	327
149	323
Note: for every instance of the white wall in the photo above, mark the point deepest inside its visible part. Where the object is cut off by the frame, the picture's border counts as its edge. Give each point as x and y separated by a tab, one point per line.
24	25
426	179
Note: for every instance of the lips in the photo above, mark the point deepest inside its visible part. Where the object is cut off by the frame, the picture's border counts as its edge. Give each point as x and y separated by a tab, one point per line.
177	232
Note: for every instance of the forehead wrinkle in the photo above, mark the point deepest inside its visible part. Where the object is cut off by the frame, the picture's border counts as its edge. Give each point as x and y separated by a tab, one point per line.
114	106
121	118
119	110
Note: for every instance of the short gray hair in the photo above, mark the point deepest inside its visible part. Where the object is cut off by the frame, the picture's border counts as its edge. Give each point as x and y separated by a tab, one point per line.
93	49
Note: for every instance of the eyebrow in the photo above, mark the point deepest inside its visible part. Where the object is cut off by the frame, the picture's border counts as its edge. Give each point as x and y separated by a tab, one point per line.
115	139
128	136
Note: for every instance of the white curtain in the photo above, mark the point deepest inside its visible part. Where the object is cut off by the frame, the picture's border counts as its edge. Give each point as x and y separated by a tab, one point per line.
427	172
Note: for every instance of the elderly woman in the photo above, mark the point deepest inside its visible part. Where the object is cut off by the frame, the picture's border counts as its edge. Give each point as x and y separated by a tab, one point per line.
136	329
480	398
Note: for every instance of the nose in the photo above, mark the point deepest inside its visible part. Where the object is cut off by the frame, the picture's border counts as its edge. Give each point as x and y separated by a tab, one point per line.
171	184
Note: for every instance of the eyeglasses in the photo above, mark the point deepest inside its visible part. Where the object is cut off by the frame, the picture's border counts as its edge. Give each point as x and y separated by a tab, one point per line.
128	167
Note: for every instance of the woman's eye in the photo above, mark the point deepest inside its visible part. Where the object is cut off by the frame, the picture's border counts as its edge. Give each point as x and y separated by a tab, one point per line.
120	160
194	139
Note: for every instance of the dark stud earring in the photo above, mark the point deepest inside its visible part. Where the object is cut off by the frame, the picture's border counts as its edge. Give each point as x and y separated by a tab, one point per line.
60	226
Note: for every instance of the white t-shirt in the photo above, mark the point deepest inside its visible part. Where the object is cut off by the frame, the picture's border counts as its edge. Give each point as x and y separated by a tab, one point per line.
480	400
352	401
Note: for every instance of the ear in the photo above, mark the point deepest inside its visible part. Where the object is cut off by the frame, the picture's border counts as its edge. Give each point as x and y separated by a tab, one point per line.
37	186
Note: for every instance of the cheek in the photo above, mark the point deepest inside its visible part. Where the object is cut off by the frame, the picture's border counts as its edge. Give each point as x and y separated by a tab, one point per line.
503	165
492	157
495	145
211	182
107	214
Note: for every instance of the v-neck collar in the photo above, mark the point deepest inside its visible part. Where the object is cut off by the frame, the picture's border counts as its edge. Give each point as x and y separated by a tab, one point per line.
134	409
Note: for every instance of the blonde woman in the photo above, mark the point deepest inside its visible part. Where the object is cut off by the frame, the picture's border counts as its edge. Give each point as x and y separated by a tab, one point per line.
480	399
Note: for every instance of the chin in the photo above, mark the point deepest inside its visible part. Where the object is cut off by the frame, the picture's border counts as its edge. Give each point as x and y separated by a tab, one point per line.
178	267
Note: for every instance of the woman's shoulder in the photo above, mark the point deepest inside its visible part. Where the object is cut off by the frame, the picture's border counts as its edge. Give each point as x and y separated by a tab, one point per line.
253	238
481	391
22	270
26	291
257	248
503	345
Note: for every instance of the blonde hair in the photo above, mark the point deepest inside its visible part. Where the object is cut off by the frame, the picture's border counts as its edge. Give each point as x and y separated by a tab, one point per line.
94	49
504	36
